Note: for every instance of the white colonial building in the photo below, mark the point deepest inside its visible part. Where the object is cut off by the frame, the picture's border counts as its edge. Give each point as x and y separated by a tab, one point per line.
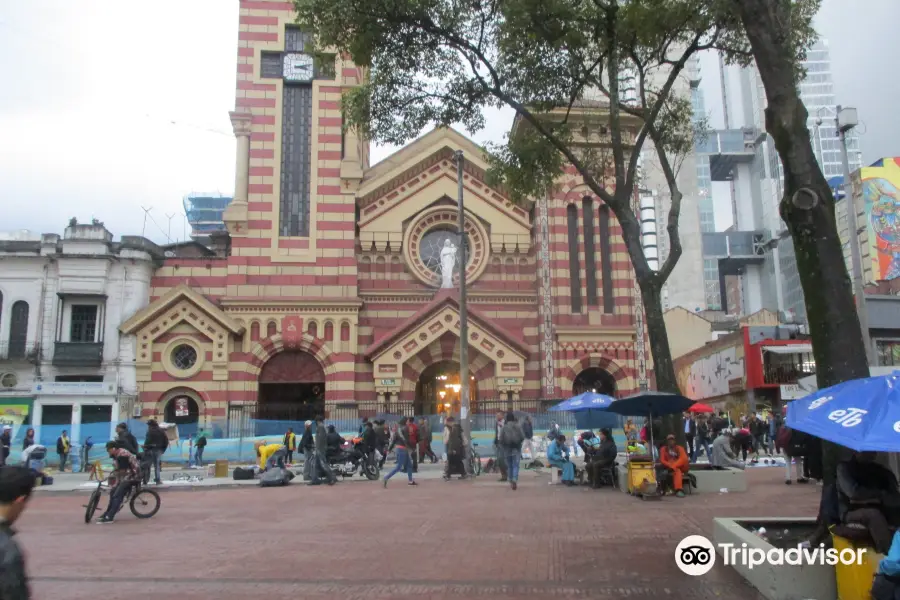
62	299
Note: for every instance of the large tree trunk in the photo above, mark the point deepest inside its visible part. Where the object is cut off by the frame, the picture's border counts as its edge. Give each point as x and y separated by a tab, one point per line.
663	365
834	325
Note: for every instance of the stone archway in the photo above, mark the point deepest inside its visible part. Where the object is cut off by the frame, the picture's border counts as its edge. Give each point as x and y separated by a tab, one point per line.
569	374
446	349
594	379
170	406
291	387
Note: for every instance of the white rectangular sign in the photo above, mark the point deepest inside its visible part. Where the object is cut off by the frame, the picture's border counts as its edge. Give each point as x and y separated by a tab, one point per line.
102	388
792	391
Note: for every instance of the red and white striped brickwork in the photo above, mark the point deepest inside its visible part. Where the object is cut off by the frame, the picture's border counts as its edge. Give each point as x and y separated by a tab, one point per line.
347	303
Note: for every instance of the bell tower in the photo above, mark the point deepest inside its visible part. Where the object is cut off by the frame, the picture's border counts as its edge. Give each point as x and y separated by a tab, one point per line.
296	167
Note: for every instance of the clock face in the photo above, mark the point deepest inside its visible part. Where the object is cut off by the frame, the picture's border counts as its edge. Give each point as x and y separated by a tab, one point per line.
298	67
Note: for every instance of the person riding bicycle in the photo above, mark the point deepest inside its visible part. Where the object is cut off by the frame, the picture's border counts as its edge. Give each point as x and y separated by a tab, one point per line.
127	473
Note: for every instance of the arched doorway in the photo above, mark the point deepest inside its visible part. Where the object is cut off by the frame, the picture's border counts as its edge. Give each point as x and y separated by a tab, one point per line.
438	389
594	379
291	387
184	412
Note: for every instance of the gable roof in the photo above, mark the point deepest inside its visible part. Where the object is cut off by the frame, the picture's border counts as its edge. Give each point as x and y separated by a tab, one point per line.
446	297
172	297
437	145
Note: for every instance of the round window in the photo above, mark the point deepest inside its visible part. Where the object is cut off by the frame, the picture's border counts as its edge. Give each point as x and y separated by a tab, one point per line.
432	243
184	357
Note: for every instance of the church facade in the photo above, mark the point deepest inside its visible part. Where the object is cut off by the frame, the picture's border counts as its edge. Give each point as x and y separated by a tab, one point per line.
329	293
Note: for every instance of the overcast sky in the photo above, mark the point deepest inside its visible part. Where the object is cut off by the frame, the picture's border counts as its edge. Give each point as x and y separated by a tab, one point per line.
110	106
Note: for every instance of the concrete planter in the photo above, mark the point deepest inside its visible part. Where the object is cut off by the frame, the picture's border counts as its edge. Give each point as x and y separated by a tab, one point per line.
709	481
781	582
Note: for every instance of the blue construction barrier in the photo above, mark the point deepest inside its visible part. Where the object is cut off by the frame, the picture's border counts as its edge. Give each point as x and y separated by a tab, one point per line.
236	441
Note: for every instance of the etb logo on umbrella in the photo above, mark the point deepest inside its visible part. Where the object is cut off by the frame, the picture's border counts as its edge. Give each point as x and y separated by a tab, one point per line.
848	418
820	401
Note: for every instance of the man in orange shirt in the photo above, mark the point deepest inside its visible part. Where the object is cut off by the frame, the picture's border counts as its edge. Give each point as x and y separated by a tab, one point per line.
675	460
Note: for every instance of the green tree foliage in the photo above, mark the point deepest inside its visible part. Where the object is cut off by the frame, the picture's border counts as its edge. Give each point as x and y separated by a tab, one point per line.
591	82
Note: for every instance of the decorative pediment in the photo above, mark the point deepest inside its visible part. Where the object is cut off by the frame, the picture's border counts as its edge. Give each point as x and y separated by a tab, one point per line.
392	350
425	172
182	317
177	295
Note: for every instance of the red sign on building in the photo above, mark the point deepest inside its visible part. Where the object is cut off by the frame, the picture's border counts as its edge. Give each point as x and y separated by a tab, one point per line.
291	331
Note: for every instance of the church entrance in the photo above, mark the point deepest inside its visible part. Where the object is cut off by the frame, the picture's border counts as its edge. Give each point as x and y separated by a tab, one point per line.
595	380
291	388
438	390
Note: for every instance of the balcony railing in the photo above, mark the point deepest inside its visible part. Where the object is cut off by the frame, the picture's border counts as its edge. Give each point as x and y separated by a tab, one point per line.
785	374
78	354
19	351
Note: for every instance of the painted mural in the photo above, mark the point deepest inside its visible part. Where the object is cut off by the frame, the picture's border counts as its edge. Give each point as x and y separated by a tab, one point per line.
714	375
881	195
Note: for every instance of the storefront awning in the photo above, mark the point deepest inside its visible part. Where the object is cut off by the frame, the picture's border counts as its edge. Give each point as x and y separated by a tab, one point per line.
790	349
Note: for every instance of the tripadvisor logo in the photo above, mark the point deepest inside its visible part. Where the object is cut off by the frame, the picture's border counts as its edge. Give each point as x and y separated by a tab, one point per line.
695	555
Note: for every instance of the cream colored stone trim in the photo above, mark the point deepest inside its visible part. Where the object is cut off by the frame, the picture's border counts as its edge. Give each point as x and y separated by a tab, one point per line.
170	367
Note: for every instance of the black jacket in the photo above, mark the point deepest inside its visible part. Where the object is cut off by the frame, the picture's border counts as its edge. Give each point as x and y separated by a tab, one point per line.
608	451
321	439
400	438
13	582
368	437
28	441
758	428
860	482
528	430
59	446
703	431
306	440
692	428
381	438
334	441
156	439
127	441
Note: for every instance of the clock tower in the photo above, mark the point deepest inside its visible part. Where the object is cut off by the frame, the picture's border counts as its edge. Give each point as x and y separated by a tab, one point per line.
295	164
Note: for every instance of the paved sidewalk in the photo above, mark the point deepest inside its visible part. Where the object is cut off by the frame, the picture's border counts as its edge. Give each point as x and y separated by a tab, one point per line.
440	540
186	479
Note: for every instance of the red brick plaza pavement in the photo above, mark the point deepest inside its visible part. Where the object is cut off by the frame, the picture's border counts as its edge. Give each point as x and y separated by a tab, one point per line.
356	540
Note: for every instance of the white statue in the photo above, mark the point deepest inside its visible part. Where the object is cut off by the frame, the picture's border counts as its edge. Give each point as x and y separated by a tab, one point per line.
448	261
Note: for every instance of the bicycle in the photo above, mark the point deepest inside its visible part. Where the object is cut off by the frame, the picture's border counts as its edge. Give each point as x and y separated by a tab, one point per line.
144	503
474	461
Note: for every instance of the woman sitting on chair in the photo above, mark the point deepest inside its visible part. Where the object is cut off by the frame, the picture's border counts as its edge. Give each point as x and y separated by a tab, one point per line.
558	457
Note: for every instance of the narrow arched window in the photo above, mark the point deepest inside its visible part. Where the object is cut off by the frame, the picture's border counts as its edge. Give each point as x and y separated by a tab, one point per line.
574	262
590	261
18	329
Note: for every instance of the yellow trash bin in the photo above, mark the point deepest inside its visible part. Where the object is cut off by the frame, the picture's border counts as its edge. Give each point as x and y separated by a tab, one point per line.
221	468
854	582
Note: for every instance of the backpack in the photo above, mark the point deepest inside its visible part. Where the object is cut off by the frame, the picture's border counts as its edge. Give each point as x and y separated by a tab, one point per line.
242	474
512	436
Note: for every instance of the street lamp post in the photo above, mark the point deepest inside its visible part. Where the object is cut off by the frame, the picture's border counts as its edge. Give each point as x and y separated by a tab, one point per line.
463	315
844	121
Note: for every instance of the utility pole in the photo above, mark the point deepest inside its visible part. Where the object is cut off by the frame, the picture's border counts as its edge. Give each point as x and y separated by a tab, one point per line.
463	315
844	121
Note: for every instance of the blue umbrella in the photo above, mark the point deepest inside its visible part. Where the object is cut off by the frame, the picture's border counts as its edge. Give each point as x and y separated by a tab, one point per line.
862	414
585	401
